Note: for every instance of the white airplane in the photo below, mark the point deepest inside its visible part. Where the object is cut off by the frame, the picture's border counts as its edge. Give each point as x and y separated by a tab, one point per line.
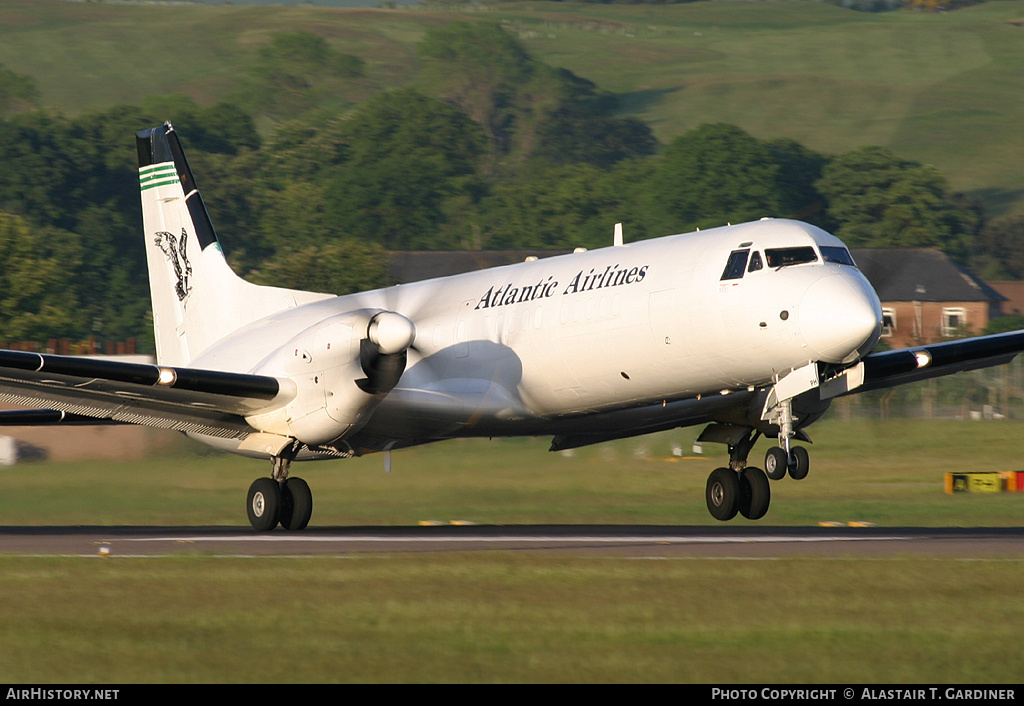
752	329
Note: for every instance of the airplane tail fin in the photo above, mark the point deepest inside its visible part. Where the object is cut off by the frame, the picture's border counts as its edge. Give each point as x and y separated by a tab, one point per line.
197	298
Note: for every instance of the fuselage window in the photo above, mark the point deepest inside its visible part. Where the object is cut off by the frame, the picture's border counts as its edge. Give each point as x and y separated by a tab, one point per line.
755	262
838	255
736	265
781	257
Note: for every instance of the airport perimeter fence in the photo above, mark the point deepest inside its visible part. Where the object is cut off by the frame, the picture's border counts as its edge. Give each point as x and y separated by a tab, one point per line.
989	393
63	346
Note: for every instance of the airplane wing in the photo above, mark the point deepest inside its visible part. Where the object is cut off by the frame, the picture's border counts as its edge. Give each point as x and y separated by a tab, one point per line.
877	370
896	367
80	390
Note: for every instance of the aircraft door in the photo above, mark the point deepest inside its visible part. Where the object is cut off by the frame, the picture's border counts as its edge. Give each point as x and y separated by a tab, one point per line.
461	342
666	326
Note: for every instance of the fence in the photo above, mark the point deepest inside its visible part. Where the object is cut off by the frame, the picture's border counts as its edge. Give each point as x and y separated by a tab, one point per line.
62	346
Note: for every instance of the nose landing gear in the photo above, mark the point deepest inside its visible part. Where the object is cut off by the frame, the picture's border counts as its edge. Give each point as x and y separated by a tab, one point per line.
777	463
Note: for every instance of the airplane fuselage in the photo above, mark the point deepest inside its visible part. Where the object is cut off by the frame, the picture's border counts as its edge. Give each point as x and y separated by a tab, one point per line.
532	347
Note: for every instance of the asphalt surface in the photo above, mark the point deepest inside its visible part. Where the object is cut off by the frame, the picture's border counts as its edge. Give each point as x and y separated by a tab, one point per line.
577	540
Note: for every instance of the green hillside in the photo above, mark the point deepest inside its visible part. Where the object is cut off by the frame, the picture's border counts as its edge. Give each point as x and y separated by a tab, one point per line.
943	89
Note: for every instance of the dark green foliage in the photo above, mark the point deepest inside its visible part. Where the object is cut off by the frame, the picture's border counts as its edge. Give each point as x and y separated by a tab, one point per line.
295	73
798	170
340	267
80	178
1000	246
17	91
482	69
527	108
299	57
877	199
566	207
713	175
77	176
582	130
1004	324
406	154
223	128
37	280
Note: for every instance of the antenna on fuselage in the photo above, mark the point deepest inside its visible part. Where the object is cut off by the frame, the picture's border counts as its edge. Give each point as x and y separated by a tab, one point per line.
617	240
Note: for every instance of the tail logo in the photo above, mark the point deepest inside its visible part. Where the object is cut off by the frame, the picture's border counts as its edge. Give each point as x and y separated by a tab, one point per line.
174	251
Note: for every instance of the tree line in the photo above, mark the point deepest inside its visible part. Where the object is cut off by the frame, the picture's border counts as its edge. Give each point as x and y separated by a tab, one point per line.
491	149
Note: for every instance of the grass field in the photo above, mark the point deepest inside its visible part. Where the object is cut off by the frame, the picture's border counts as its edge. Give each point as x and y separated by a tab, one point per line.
945	89
509	617
517	616
888	473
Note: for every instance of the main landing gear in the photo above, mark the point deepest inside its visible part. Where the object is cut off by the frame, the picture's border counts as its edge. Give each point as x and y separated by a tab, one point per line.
279	499
745	490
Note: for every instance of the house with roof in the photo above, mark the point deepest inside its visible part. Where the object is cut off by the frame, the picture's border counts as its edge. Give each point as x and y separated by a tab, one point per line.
926	297
1014	293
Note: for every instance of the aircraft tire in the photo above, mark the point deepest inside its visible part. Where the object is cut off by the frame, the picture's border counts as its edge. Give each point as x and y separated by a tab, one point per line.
723	493
776	463
263	504
296	504
801	463
755	493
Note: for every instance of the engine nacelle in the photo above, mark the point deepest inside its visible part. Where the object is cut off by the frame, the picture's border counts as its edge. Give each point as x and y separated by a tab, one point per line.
327	363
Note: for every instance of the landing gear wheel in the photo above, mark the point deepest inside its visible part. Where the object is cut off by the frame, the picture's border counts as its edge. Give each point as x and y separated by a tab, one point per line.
723	493
296	504
755	493
776	463
263	504
799	464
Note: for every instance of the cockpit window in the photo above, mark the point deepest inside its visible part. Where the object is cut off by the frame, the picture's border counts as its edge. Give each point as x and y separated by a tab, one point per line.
781	257
755	262
737	263
837	254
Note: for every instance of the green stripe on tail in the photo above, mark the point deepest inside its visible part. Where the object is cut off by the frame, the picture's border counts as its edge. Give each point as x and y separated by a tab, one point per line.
158	175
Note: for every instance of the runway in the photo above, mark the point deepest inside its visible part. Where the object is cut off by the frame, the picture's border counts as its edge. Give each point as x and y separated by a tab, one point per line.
577	540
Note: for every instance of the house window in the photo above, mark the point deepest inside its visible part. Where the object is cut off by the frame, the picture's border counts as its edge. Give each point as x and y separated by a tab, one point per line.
888	322
954	320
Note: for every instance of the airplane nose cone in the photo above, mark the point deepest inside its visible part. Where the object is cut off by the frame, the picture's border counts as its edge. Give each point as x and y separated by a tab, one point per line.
840	318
